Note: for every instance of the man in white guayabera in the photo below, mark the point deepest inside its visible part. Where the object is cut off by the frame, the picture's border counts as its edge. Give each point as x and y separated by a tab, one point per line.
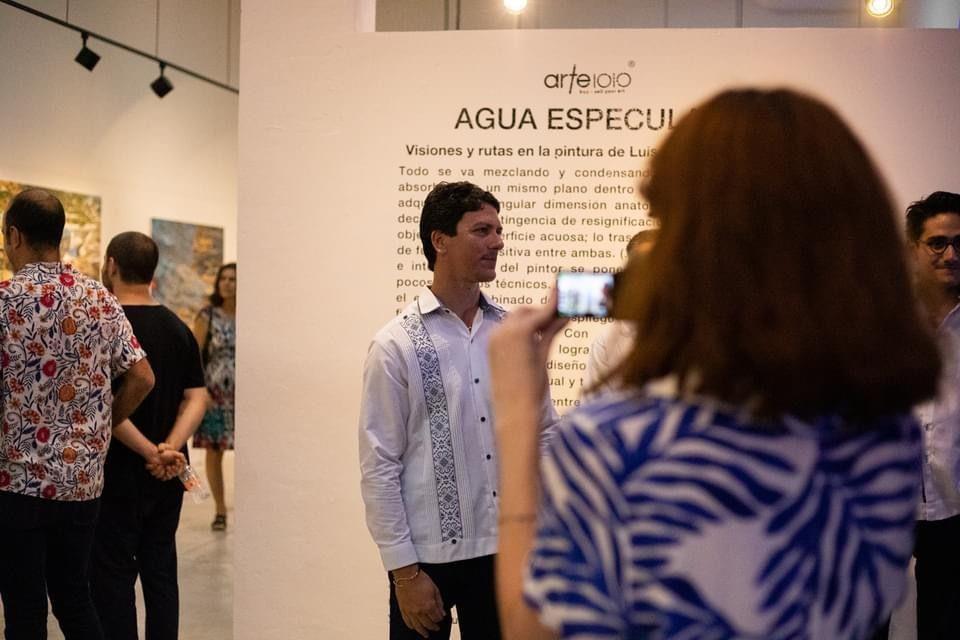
427	453
933	230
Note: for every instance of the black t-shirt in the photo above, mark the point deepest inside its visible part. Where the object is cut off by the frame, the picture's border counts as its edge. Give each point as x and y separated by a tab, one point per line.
175	359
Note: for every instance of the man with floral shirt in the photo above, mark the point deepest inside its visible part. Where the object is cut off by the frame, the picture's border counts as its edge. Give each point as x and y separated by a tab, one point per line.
63	338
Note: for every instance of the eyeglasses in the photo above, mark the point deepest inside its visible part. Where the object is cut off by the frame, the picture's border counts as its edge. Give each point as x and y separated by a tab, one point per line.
939	244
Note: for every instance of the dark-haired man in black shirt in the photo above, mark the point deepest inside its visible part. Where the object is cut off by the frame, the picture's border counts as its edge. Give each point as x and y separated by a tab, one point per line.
136	534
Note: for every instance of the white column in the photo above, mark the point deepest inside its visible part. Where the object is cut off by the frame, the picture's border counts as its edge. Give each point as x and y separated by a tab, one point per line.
292	577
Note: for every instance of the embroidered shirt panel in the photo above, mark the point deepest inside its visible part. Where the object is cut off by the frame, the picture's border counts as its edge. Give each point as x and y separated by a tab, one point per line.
441	439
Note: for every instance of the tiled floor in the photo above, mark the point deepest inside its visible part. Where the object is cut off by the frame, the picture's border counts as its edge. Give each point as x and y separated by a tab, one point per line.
206	574
206	569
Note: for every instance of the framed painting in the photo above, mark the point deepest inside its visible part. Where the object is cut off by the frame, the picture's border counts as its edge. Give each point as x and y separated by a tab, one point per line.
81	235
190	255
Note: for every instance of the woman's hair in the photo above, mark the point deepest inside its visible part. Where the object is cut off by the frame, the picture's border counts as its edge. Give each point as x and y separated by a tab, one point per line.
778	278
215	298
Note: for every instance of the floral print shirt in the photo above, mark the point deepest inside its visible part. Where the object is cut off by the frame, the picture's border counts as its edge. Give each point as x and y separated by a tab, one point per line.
63	338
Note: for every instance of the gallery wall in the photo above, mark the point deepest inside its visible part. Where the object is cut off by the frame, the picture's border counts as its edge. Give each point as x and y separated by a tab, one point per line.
434	15
104	132
330	125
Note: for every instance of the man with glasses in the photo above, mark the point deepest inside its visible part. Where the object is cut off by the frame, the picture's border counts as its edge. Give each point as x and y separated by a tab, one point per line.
933	229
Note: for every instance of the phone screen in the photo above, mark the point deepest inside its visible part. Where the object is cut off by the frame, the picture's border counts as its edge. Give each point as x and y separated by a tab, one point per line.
584	295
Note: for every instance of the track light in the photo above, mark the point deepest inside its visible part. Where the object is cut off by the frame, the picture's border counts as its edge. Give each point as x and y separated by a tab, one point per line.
87	58
161	86
879	8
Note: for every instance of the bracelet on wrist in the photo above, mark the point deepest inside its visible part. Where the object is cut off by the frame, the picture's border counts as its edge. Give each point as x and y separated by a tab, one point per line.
401	582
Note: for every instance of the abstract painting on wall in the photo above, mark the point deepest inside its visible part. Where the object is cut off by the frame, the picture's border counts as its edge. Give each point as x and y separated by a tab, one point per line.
190	255
81	235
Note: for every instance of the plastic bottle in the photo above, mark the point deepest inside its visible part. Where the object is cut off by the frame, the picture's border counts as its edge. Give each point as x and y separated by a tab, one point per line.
193	484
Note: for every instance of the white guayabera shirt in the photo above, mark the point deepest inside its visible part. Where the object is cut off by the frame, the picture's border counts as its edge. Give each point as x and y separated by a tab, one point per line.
428	457
608	350
940	422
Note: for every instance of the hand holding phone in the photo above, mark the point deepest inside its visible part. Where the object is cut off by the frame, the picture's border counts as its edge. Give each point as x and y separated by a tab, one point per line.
584	295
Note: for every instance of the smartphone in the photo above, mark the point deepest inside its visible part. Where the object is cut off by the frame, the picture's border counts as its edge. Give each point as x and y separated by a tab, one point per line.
584	295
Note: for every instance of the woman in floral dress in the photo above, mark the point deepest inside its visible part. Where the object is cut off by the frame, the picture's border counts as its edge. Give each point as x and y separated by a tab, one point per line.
215	328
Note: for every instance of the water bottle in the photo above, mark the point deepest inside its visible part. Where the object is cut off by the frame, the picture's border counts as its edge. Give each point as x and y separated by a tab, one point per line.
193	484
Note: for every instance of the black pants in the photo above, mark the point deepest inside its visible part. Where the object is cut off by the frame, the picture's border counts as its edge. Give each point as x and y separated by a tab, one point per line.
136	536
45	551
937	551
468	585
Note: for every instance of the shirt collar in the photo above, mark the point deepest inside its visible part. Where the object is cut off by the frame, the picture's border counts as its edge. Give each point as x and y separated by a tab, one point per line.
487	304
429	303
952	320
49	268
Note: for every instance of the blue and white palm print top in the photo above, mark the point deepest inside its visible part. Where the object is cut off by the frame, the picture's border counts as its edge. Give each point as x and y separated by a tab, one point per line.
669	518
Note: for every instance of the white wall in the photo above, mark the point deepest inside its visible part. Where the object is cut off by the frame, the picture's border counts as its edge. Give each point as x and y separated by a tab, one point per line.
104	132
324	118
429	15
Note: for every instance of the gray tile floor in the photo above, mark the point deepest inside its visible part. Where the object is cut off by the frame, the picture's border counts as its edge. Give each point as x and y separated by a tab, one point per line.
205	566
206	574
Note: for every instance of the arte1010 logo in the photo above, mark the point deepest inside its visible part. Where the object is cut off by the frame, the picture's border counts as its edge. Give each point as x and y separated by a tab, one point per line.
584	82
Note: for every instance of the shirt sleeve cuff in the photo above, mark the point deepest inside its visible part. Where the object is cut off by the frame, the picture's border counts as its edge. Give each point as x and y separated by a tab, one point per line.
398	556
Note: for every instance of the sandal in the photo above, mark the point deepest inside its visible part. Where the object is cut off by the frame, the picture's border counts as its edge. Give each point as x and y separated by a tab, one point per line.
219	523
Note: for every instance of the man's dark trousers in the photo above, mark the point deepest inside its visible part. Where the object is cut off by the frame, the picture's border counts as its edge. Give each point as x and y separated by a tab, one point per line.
466	584
937	551
136	536
45	550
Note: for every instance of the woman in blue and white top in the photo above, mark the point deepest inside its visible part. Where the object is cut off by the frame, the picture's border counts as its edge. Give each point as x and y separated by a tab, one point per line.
757	478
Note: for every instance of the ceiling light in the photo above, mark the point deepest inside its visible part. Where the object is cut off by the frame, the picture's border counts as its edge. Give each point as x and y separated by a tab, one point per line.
161	86
515	6
87	58
879	8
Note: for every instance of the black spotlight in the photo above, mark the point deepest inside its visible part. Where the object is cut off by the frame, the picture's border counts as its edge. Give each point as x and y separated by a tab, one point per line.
87	58
161	86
